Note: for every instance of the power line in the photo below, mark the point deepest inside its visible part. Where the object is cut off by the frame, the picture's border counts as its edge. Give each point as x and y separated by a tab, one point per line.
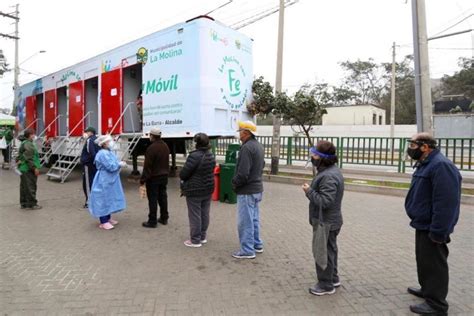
457	23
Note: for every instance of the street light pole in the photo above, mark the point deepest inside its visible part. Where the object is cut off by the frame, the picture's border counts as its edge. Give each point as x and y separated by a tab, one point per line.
278	87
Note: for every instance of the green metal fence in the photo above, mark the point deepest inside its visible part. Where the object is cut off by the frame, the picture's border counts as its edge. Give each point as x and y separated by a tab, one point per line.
374	151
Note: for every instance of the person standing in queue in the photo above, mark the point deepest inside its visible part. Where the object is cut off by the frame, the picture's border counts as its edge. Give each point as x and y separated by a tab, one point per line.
29	165
433	206
197	179
325	198
155	178
89	151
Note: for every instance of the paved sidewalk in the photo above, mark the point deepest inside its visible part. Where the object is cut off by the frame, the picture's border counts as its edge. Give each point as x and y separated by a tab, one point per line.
55	261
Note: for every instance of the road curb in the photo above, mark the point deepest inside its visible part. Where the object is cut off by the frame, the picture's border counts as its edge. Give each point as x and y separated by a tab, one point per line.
364	188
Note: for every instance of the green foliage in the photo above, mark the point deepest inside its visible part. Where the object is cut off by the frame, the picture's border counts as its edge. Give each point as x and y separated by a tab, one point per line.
462	81
263	97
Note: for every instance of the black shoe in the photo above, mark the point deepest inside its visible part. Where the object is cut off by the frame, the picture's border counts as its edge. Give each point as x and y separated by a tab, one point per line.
85	206
415	291
148	225
163	221
425	309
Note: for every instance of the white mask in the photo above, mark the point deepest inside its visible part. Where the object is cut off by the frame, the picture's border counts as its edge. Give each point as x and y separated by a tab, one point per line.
85	135
237	135
35	138
112	145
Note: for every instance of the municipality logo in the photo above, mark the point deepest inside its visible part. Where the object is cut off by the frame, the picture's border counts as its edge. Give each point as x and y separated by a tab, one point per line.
233	77
142	55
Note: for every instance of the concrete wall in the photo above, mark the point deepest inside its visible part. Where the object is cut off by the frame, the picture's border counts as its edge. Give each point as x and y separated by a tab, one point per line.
354	115
453	125
344	130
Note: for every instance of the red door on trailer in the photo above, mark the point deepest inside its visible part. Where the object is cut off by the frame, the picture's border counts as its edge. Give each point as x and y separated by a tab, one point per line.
111	98
31	114
76	108
50	112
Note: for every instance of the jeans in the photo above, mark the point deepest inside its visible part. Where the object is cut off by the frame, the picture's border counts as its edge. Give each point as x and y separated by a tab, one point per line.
198	212
433	271
329	276
248	222
156	194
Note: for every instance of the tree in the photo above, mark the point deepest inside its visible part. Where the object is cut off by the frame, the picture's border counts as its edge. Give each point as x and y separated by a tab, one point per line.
303	110
462	81
364	80
405	104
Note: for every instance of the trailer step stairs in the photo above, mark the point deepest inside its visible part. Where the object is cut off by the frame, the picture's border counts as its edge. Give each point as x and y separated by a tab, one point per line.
67	160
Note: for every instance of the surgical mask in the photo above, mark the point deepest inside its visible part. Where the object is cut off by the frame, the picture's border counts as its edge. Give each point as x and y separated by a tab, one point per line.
237	135
414	153
316	162
35	138
85	135
112	145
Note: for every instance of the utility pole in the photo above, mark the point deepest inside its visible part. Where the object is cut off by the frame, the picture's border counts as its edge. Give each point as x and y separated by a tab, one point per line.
16	70
424	111
278	86
392	95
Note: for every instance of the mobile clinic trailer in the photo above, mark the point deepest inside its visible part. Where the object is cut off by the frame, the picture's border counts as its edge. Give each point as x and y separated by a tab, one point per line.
194	77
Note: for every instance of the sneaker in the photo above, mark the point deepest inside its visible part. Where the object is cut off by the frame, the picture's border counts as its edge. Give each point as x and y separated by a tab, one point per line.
148	225
317	290
113	221
35	207
85	205
337	284
106	226
204	241
239	255
259	250
188	243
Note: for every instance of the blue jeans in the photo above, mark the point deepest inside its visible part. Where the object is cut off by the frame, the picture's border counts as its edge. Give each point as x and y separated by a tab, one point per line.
104	219
248	222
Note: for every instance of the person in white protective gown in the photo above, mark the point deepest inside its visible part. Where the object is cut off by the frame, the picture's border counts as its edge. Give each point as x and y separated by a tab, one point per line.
107	195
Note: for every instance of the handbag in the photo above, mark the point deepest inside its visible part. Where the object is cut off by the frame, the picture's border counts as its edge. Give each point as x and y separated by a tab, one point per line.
3	143
320	240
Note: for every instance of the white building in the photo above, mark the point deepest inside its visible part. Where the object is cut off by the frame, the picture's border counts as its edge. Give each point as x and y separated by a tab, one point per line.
354	115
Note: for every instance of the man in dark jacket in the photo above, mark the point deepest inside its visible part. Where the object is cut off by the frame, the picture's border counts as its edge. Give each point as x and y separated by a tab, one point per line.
89	151
155	177
197	179
247	183
432	204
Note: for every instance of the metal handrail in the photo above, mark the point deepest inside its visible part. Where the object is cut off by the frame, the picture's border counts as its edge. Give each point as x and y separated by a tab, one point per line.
49	125
80	122
31	124
121	117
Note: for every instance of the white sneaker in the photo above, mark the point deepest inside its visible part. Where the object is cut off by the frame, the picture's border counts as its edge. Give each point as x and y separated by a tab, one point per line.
188	243
204	241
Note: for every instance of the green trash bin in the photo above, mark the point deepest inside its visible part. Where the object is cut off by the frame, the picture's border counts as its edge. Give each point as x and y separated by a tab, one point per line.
227	173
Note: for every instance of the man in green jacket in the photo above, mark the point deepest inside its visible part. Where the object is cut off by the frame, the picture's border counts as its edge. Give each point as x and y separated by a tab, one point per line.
29	165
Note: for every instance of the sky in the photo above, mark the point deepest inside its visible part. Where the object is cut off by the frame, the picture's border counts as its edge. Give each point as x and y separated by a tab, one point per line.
318	34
